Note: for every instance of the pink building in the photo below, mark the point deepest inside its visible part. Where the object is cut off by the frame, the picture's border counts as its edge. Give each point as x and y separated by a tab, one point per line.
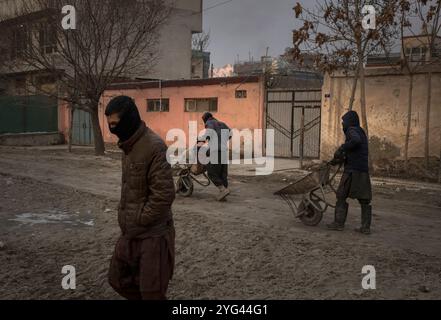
165	105
240	102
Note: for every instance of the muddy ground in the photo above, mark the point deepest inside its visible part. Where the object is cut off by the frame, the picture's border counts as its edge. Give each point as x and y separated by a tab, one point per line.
59	209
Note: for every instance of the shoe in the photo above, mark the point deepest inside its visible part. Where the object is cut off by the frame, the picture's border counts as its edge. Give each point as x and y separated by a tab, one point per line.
341	212
366	217
223	193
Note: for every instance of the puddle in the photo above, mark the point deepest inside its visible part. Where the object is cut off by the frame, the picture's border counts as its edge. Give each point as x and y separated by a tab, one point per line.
52	217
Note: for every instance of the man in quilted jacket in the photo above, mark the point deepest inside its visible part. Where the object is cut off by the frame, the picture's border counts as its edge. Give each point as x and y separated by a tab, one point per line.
143	260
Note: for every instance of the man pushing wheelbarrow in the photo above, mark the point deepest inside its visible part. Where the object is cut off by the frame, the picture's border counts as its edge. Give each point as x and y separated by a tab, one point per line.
216	170
355	182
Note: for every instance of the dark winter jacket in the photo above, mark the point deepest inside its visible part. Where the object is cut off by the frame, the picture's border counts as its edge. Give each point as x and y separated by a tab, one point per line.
147	190
355	147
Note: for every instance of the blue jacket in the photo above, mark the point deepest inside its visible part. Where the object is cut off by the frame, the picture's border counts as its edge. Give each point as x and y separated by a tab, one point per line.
356	146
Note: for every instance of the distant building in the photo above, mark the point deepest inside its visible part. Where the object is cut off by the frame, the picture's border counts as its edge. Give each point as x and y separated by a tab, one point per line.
416	47
415	51
246	68
200	64
284	65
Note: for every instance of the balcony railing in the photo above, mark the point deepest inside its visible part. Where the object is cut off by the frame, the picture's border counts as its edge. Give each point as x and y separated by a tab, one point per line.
382	59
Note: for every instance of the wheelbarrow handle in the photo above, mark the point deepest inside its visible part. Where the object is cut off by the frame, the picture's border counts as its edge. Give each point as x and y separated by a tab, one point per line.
333	177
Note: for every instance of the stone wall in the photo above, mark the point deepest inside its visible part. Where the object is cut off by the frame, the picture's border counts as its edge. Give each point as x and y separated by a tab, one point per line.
32	139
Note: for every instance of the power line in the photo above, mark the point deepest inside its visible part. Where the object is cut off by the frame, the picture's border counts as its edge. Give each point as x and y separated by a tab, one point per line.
217	5
213	6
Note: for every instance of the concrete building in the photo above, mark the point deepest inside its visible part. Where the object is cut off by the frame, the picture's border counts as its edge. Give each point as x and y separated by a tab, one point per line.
174	48
200	64
251	102
173	104
18	79
175	45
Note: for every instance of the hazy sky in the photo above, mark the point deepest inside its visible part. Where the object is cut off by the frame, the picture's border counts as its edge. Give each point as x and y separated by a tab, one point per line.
238	27
241	26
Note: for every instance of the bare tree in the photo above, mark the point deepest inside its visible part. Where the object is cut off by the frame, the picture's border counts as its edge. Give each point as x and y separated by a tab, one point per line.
405	10
425	16
429	13
334	33
201	41
113	39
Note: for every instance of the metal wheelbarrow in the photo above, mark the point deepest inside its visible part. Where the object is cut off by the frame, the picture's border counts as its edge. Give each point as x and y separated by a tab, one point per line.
313	189
187	174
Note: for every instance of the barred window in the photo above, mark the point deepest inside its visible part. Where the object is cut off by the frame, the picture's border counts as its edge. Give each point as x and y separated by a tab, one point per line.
201	105
158	105
48	39
241	94
20	41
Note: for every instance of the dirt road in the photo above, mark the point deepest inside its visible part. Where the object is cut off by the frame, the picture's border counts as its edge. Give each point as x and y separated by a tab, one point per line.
59	209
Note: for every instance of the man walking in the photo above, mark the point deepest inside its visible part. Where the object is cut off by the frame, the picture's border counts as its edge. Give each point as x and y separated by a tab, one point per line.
355	182
217	168
143	261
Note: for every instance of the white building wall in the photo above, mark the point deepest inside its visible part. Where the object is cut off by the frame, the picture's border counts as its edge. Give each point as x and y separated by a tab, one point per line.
175	42
174	49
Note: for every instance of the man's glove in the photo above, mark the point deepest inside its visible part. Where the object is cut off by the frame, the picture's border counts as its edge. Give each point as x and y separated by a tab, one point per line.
339	157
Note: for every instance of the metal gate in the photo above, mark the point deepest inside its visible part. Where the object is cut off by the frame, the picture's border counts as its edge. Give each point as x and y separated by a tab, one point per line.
82	128
21	114
295	117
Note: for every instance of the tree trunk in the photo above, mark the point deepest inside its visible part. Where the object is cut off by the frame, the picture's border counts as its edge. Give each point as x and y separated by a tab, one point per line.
71	112
354	87
427	135
409	122
364	122
97	134
439	170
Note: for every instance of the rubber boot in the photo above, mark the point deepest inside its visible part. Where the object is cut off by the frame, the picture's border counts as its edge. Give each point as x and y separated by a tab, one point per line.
366	218
223	193
341	212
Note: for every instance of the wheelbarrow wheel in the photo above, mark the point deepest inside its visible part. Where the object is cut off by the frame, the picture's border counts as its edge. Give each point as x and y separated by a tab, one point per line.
311	216
185	186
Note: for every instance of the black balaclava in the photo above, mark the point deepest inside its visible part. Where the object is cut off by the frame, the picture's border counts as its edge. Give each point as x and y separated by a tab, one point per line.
129	117
207	116
350	119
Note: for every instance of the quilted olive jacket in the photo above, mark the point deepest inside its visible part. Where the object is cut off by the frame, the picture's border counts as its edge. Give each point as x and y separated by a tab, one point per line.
147	190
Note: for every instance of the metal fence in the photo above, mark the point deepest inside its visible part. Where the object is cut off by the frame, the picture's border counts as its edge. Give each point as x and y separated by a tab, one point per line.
295	118
22	114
